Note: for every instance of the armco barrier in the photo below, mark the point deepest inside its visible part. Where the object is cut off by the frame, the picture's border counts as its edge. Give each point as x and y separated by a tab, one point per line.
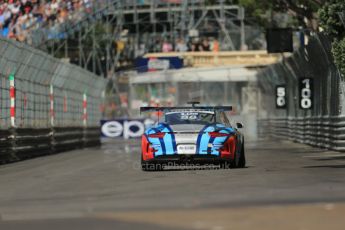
313	61
322	132
321	124
47	106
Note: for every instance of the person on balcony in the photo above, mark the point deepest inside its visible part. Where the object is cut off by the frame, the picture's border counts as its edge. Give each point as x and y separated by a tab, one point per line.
167	47
181	46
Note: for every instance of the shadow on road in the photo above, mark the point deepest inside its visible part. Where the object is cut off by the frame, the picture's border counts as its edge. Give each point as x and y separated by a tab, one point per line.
331	158
327	166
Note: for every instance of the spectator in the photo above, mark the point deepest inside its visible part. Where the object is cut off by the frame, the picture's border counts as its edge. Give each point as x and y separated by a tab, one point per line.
19	17
194	46
167	47
205	45
54	6
14	8
215	45
70	6
181	46
2	18
7	15
88	5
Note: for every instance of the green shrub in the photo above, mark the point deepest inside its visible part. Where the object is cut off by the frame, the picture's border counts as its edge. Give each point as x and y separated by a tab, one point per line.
333	26
330	20
338	51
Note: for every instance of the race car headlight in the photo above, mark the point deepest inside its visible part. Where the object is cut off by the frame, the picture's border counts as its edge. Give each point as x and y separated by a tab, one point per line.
217	134
157	135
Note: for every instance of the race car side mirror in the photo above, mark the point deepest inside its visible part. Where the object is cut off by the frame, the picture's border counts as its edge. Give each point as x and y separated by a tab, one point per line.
239	125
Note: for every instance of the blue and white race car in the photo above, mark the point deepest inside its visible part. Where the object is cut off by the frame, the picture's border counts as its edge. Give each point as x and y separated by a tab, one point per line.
194	135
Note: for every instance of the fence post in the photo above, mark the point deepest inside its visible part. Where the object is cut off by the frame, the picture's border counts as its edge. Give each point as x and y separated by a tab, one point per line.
13	134
52	113
52	119
85	133
12	100
84	110
65	103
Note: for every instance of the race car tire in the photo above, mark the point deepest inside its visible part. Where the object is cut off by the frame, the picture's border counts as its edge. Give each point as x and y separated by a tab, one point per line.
242	159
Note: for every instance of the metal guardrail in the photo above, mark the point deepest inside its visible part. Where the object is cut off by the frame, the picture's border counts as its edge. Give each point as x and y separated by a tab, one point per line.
223	58
320	125
47	106
314	61
322	132
20	144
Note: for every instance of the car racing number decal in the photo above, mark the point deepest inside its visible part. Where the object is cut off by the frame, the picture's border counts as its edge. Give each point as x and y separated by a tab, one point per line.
189	116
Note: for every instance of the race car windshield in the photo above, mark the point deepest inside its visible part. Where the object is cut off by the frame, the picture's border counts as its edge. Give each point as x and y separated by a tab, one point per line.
200	117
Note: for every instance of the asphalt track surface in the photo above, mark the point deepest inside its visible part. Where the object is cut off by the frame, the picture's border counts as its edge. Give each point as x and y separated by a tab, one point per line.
285	186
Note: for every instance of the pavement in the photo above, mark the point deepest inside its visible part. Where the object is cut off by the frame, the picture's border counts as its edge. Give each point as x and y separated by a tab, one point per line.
285	186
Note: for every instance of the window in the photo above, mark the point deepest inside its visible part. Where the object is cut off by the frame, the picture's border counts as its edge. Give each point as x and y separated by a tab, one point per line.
190	117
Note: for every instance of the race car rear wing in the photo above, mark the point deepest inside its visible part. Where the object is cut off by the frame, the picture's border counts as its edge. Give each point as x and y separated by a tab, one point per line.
189	108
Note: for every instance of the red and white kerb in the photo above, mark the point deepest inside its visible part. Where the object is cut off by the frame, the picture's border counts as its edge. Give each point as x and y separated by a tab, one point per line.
84	109
13	100
52	113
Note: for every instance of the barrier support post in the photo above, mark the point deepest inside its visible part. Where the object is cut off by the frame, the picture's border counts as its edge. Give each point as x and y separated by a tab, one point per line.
85	110
52	119
12	100
85	131
52	112
13	116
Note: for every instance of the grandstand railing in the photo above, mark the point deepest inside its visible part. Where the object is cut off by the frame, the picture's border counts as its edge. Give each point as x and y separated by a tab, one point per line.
223	58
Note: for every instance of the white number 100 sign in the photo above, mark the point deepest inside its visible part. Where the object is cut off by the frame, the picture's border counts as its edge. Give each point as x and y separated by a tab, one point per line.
306	93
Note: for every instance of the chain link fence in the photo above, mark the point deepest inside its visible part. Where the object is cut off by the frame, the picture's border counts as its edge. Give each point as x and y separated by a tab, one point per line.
320	125
42	96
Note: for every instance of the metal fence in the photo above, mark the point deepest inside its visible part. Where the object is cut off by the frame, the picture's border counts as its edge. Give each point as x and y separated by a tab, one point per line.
44	31
43	97
321	125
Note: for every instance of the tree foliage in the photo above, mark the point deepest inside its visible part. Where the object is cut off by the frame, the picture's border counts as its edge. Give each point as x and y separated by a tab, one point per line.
309	14
304	11
338	51
330	21
258	10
